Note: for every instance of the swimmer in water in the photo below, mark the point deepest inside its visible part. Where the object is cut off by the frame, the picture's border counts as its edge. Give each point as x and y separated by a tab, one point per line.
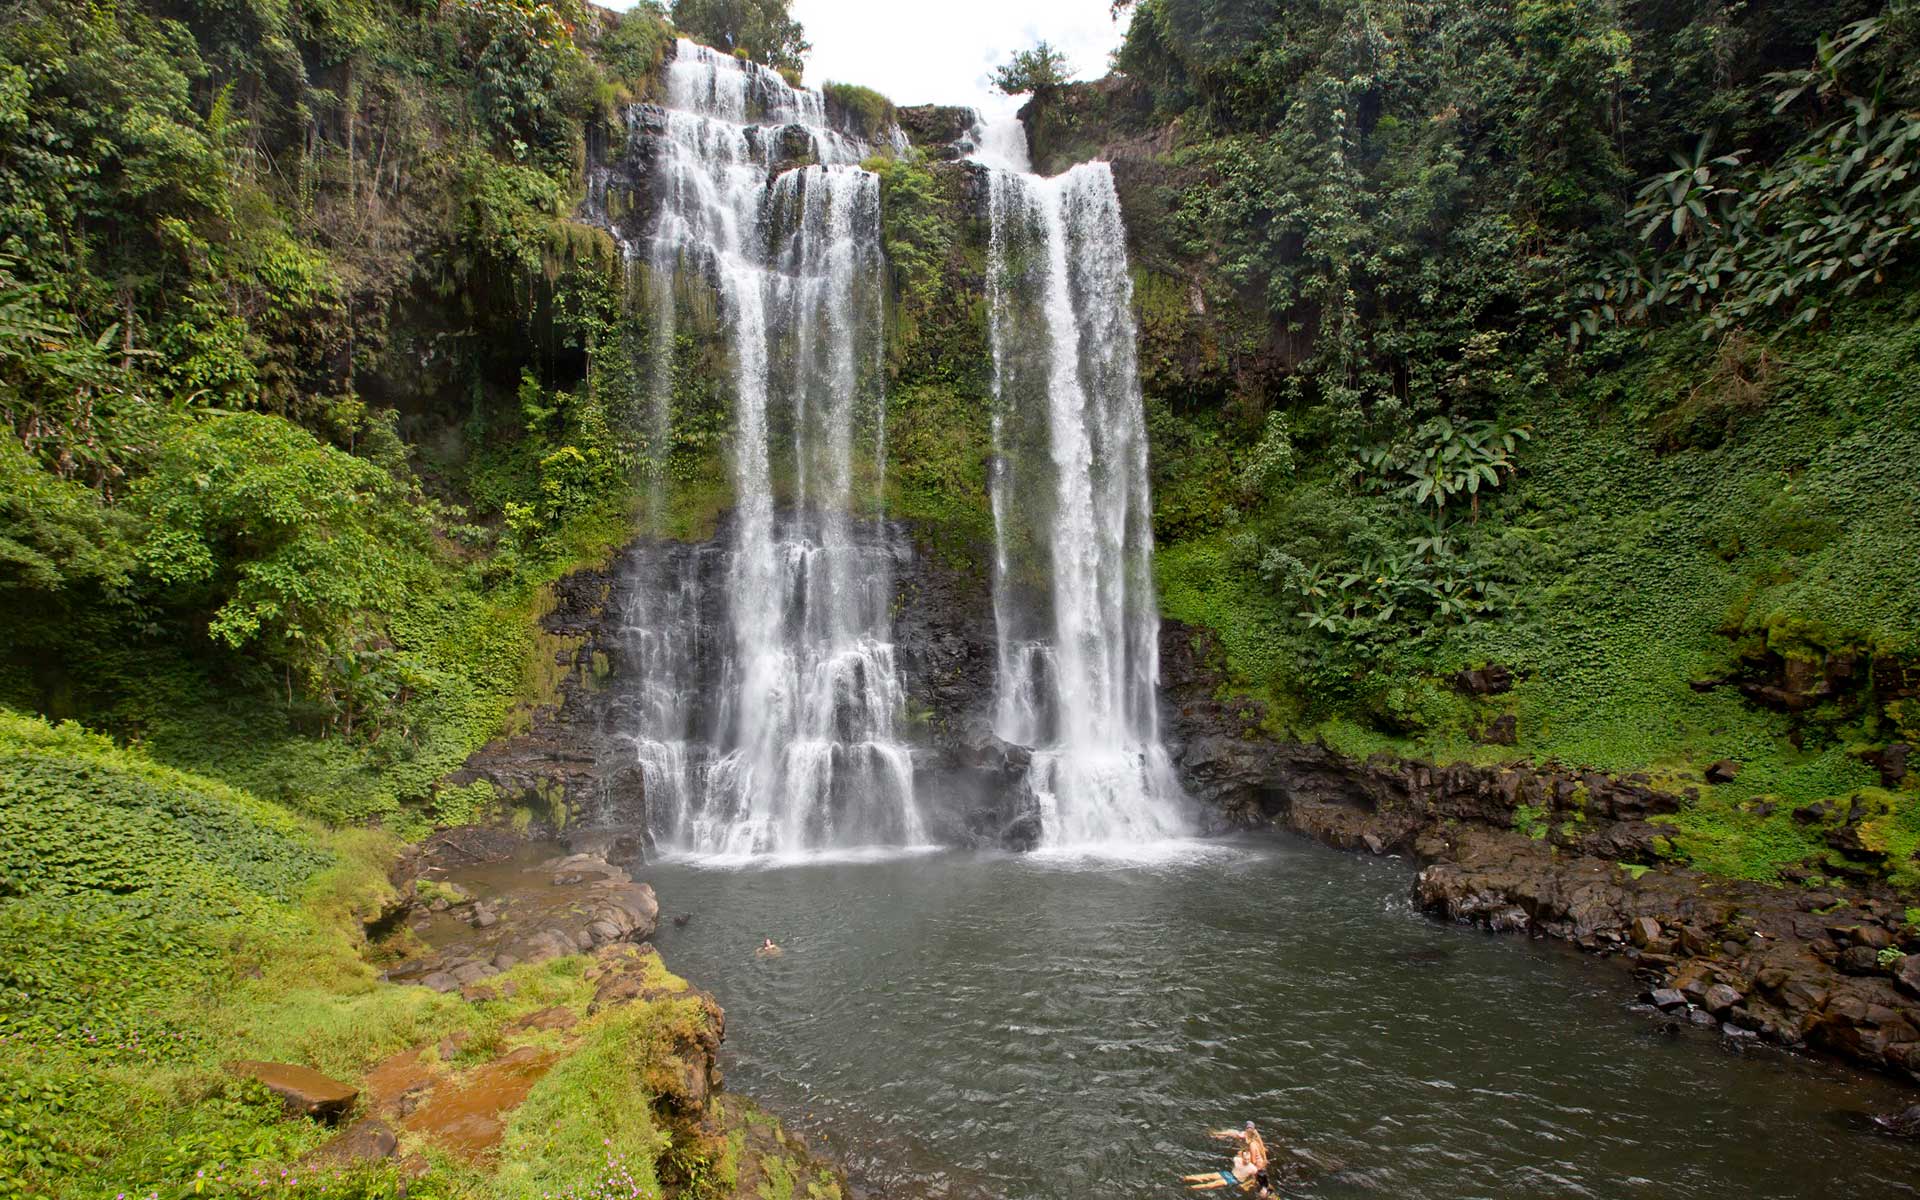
1249	1169
767	949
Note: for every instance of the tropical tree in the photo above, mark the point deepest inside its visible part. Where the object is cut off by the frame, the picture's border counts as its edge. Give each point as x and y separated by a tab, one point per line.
1039	71
762	31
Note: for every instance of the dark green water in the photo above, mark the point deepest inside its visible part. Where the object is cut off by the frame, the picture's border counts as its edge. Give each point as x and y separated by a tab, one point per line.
969	1026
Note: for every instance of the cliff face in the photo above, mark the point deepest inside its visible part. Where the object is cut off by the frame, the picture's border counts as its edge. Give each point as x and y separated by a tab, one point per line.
574	764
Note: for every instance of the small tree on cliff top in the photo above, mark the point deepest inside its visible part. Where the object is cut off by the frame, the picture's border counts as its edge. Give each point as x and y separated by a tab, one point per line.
1041	71
762	30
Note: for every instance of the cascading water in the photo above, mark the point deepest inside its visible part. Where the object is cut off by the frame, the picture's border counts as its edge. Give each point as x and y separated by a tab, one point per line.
1073	595
795	748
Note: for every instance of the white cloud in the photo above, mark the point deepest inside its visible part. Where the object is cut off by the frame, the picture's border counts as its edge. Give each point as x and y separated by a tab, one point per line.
942	52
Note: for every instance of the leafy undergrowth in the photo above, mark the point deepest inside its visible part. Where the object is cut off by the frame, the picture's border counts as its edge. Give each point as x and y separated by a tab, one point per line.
940	447
469	656
156	924
1653	539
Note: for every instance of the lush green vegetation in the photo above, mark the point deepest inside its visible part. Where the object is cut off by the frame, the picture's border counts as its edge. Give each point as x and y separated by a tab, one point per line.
762	31
311	382
156	924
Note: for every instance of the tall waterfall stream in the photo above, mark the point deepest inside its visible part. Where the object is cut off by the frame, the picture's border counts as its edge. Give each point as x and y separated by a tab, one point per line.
776	729
798	748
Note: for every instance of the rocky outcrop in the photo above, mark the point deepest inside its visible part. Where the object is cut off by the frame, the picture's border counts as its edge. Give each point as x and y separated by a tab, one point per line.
575	757
559	764
971	783
304	1091
936	129
1789	966
570	904
1538	850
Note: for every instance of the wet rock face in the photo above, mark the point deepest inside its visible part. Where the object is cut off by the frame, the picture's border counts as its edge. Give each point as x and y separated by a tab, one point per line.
559	765
935	128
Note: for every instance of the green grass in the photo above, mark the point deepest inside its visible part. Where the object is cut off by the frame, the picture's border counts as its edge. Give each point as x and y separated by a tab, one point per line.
155	924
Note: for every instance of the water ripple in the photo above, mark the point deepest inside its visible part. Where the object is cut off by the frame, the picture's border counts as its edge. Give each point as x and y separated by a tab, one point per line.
974	1026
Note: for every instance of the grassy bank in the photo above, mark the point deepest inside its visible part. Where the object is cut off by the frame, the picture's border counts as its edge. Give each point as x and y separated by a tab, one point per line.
156	925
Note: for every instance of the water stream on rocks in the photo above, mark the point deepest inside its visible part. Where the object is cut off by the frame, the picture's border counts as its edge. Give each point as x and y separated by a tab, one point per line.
1044	1026
1073	594
772	729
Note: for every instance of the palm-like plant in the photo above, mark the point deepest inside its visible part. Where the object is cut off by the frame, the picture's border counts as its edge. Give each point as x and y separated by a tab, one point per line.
1450	460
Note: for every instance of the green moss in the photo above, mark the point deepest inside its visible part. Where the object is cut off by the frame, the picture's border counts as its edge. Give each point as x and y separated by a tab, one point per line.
1890	827
1719	835
589	1122
860	110
941	448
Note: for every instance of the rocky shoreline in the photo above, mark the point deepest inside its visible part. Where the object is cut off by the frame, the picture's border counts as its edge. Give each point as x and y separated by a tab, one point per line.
1836	971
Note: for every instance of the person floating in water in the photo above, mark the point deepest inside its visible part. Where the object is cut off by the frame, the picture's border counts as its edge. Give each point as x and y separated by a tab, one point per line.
768	949
1249	1169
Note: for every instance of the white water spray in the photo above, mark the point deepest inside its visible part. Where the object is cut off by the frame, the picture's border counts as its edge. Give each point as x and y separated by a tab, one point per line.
1073	586
797	750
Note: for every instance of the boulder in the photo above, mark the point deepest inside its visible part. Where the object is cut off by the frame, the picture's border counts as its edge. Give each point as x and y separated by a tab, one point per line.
1901	1124
1906	974
1490	680
304	1091
1644	931
439	981
370	1140
1859	960
1720	998
1503	730
1692	981
1874	937
1666	998
473	972
1724	771
619	847
585	868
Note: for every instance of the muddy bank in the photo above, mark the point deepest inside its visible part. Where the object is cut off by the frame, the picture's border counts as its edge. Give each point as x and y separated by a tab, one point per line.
1538	850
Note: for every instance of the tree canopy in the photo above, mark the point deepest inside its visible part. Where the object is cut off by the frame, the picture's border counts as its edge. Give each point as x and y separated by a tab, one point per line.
1039	71
761	30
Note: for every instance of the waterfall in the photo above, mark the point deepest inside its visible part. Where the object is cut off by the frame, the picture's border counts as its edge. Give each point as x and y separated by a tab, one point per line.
1077	627
771	726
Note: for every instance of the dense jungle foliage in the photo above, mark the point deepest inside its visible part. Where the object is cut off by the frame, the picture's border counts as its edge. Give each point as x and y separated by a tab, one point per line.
294	333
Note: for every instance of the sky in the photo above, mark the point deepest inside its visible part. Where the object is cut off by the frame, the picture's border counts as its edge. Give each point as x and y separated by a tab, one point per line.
941	51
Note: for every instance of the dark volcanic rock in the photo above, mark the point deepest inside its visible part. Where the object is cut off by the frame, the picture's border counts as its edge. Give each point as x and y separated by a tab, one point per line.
935	128
1492	680
1503	730
1901	1124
